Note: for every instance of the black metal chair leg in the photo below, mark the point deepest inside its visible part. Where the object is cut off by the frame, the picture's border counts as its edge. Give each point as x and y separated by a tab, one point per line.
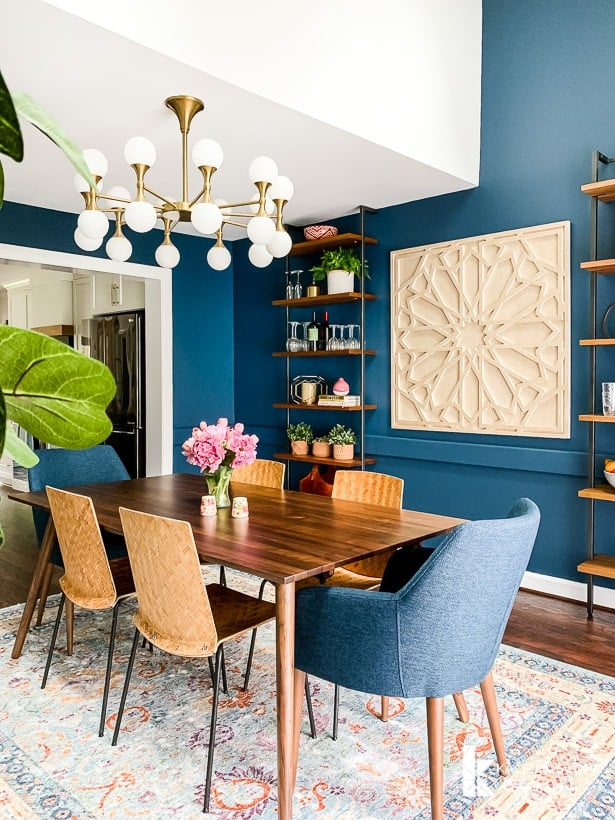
308	700
120	711
336	710
224	680
103	709
253	641
212	728
54	637
222	576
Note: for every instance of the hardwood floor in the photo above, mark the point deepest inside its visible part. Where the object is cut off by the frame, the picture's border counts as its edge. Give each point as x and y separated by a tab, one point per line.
547	626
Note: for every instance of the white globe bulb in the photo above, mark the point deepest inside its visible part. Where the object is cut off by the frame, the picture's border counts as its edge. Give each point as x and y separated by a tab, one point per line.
140	151
207	152
96	162
206	217
281	188
261	230
218	258
167	256
118	248
280	245
93	224
262	169
140	216
269	206
259	256
85	242
117	191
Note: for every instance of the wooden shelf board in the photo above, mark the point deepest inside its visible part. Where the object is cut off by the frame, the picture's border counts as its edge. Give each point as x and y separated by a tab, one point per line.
293	406
597	342
332	462
324	299
596	417
603	565
342	240
601	492
600	266
603	191
56	330
304	353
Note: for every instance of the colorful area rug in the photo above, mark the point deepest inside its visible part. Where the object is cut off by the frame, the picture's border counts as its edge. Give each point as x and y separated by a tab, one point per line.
558	722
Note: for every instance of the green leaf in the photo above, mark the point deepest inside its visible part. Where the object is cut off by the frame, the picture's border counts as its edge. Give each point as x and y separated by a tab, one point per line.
11	142
18	450
2	423
27	108
1	185
54	392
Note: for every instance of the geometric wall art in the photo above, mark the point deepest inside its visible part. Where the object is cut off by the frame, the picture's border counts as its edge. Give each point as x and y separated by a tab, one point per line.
480	334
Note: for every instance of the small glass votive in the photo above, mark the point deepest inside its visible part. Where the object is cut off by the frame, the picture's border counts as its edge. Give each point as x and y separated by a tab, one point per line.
208	505
240	507
608	398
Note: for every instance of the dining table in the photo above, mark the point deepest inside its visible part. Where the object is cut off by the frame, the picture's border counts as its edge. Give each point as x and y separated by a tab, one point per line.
288	536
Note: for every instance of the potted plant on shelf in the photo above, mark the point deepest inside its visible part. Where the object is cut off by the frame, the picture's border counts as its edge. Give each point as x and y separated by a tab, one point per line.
300	436
321	447
343	440
340	266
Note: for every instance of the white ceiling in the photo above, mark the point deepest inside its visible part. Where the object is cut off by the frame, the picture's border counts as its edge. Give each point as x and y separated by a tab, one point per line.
104	88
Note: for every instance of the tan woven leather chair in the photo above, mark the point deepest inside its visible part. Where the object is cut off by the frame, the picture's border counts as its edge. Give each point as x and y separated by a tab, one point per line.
177	612
90	579
263	472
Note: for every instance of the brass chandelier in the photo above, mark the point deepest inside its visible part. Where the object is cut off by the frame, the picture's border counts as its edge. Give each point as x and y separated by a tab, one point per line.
262	220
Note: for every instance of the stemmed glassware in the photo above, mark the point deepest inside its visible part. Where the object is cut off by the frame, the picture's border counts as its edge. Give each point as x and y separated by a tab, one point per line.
293	343
304	341
298	290
353	343
333	342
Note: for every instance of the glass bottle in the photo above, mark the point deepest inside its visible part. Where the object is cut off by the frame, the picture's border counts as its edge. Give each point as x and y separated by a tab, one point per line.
312	333
323	332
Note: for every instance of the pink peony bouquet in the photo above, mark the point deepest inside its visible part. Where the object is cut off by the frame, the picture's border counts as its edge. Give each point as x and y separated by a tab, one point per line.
212	446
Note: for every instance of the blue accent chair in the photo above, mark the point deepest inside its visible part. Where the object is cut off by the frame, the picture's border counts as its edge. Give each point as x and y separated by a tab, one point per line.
67	468
438	635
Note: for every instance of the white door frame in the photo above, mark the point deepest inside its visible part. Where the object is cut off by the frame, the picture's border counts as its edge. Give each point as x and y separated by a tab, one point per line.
158	340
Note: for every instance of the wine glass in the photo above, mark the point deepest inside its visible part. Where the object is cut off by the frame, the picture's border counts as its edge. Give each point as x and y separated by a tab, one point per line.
355	343
298	292
293	344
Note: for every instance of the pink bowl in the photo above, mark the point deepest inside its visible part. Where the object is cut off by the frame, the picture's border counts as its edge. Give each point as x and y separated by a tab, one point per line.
319	231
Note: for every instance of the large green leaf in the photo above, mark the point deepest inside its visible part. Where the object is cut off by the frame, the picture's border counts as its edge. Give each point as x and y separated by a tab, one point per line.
1	185
2	423
11	142
54	392
27	108
18	450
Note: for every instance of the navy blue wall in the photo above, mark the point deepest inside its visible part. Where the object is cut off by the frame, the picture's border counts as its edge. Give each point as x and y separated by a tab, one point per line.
548	70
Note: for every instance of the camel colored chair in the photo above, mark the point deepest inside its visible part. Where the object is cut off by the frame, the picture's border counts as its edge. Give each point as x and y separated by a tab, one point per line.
90	580
176	611
263	472
439	634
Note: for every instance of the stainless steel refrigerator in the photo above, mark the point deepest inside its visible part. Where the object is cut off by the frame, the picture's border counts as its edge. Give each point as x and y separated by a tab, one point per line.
118	340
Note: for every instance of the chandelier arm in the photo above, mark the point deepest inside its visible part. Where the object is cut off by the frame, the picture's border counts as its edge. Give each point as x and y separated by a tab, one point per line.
158	196
193	202
226	221
114	198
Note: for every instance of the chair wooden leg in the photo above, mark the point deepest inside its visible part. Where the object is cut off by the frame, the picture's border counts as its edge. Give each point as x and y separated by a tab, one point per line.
219	664
462	709
103	708
493	716
44	592
120	711
54	638
70	624
384	708
300	683
435	745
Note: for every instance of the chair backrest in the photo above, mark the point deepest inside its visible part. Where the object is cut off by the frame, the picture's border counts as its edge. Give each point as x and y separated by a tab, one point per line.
173	612
452	613
87	579
59	467
263	472
369	488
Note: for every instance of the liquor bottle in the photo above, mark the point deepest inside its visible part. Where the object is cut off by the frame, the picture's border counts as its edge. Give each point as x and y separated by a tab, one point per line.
323	332
312	333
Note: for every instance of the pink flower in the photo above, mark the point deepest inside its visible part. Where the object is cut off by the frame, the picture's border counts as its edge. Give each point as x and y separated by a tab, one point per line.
215	445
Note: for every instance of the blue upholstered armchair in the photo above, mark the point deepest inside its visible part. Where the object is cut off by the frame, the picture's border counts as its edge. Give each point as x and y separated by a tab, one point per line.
437	636
67	468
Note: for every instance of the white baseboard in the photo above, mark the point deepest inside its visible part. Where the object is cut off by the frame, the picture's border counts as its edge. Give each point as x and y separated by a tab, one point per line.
573	590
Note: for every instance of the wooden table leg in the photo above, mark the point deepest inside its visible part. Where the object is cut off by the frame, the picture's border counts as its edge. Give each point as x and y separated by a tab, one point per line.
44	555
285	667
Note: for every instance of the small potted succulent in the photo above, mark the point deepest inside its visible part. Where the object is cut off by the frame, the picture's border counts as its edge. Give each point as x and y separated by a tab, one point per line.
340	265
321	447
343	440
300	436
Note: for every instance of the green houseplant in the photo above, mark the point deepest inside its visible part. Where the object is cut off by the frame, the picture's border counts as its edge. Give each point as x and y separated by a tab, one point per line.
340	266
343	440
300	436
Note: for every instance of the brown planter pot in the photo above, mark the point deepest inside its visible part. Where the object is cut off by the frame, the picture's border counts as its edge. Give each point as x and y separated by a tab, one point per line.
299	448
321	449
343	452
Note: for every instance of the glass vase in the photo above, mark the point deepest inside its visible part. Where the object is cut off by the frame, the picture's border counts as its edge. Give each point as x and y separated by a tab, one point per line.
218	485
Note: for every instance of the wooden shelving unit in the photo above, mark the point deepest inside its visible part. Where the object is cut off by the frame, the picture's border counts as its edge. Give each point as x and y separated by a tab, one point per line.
342	240
319	353
293	406
329	462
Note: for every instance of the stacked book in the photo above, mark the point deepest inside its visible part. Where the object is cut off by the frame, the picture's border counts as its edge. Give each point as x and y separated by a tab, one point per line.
326	400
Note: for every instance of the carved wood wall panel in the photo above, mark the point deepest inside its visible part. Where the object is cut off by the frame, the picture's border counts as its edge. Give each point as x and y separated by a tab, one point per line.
480	339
